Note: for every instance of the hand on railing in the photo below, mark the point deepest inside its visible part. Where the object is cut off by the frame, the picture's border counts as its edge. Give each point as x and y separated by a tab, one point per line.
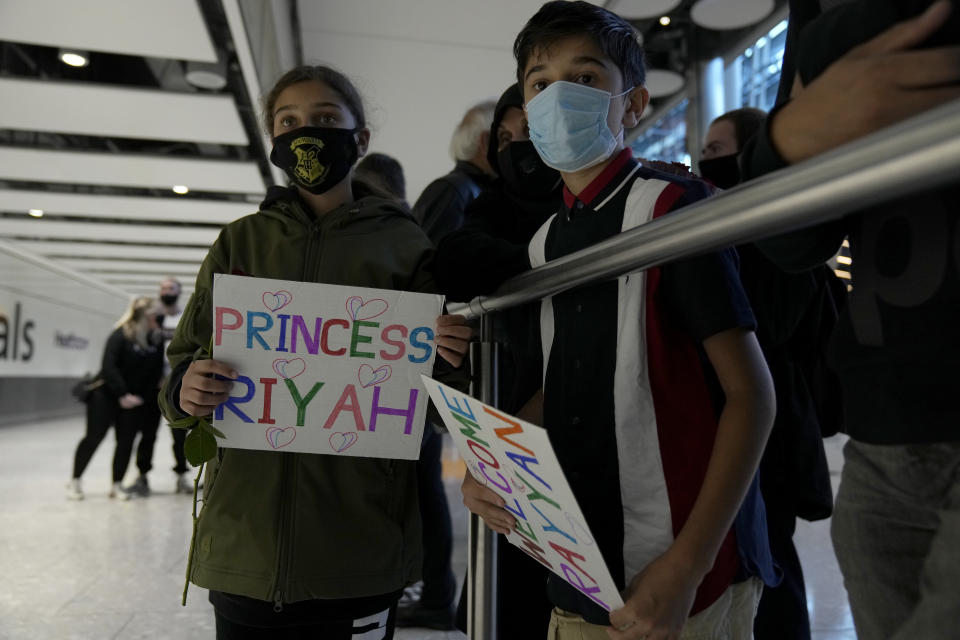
453	338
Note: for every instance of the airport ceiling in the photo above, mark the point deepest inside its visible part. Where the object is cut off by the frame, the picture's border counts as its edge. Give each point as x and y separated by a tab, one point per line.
165	100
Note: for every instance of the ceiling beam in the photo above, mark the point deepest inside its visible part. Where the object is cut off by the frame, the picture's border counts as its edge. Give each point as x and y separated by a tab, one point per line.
128	266
170	29
12	229
129	170
174	209
70	249
119	112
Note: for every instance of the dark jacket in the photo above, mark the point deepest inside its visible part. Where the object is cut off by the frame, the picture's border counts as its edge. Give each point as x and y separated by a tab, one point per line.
289	527
129	368
896	345
440	208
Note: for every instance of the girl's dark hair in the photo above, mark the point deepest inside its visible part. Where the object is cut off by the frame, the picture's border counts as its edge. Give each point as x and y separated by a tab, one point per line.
746	123
319	73
560	19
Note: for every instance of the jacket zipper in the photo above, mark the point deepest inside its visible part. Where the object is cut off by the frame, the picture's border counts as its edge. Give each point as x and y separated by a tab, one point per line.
283	550
282	546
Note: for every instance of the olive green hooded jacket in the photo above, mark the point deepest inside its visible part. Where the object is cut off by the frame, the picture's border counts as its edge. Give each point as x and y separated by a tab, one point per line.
286	527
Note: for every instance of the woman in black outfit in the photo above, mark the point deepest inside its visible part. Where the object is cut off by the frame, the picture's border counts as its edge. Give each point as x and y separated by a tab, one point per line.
131	371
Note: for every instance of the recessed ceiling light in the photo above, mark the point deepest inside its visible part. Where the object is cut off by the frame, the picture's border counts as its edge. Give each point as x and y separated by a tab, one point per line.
74	58
181	189
665	21
36	213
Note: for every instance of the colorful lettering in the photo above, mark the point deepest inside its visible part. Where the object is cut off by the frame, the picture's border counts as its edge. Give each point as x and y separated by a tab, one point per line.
401	347
283	332
553	527
417	344
324	336
409	412
267	395
574	578
253	331
349	394
232	402
356	338
302	402
220	313
312	342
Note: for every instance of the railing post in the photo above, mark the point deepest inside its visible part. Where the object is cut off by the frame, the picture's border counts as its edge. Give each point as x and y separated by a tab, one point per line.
482	542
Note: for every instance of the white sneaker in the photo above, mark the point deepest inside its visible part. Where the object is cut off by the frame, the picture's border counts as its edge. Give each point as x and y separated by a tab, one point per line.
183	484
74	491
116	491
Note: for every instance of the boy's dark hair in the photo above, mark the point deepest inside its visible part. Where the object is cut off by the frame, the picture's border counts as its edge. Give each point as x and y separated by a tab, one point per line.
385	172
746	123
318	73
560	19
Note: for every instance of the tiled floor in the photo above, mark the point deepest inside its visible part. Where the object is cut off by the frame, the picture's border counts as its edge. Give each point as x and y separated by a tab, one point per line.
100	569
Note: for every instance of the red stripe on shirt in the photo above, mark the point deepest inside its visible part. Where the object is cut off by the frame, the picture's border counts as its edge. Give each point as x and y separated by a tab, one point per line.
686	420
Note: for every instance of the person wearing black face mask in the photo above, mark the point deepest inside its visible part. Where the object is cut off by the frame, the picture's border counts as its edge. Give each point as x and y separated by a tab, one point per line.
490	248
795	314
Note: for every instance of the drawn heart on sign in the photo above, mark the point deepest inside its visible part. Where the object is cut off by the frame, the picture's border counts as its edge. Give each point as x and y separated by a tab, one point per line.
277	300
368	376
360	310
279	437
288	369
340	442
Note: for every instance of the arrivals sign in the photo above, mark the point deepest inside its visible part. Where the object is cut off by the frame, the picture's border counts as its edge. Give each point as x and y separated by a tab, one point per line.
515	460
323	368
43	338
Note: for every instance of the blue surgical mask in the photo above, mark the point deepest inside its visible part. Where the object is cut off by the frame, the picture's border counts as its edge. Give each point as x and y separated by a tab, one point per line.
568	125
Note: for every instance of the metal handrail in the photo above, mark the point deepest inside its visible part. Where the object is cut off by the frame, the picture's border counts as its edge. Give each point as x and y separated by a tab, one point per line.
914	155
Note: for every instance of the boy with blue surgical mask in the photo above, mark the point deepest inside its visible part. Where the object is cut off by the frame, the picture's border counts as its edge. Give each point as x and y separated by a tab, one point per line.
656	395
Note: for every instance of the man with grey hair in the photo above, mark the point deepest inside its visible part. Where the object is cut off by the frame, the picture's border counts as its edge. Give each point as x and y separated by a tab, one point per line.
439	210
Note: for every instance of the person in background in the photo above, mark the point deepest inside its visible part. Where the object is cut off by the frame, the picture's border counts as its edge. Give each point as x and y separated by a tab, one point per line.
295	545
490	248
168	313
131	370
795	314
383	172
661	369
440	208
848	73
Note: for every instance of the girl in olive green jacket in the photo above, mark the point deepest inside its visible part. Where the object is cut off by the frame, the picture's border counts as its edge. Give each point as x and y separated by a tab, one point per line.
292	543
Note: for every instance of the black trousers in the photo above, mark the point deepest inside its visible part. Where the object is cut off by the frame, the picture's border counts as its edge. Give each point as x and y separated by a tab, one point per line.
103	411
328	630
439	583
782	614
179	437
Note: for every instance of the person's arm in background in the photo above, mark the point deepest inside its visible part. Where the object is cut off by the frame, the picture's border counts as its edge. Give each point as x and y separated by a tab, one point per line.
474	260
872	86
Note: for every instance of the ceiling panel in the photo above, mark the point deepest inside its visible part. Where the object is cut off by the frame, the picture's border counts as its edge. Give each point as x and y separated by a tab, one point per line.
454	22
119	112
69	249
169	29
129	170
144	279
142	233
130	266
173	209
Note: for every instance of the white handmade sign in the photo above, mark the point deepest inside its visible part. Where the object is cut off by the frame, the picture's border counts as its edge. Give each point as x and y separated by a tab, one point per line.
515	460
323	368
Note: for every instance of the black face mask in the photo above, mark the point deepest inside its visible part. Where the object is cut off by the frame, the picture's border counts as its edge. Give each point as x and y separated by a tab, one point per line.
523	170
724	171
315	158
169	300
